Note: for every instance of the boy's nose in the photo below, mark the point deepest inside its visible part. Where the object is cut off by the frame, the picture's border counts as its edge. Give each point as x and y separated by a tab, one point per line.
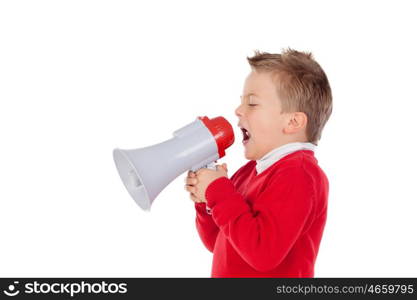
238	111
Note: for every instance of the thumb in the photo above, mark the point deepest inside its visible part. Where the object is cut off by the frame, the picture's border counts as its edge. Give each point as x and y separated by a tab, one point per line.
224	166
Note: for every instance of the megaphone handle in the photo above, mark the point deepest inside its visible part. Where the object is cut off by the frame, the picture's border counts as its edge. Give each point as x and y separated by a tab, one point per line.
211	166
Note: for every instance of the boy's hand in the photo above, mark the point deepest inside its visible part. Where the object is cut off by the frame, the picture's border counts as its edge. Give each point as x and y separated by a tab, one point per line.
197	182
190	182
207	176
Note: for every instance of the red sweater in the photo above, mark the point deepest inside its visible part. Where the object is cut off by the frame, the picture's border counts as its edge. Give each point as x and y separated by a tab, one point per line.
266	225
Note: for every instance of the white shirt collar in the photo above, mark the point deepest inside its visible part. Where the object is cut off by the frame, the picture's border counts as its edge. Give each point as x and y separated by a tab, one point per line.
276	154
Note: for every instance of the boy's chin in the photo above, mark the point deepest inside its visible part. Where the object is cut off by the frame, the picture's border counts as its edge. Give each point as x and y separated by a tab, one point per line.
249	155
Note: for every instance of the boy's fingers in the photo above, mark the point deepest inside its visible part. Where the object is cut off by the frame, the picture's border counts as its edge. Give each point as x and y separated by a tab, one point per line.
190	188
191	181
194	199
223	166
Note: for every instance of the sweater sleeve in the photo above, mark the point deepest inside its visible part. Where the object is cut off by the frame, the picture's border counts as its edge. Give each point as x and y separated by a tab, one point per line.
206	228
263	232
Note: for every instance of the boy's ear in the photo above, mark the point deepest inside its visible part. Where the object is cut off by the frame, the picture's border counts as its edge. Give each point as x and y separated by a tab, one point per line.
296	121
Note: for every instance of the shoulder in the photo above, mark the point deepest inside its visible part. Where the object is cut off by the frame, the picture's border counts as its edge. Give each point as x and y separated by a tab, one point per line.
300	166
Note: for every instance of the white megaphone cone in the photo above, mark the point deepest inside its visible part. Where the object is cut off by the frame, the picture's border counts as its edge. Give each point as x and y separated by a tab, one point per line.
145	172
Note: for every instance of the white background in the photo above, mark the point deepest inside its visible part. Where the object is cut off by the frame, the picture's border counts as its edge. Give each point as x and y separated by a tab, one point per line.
79	78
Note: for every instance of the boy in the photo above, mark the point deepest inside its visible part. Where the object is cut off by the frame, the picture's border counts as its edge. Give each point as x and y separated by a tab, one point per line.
267	220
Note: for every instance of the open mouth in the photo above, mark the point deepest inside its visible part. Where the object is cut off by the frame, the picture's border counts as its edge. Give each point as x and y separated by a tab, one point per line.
246	135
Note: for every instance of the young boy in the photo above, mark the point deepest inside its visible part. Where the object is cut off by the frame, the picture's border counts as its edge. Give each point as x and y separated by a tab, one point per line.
267	220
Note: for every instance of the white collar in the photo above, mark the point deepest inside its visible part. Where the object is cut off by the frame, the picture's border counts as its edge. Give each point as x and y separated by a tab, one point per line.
276	154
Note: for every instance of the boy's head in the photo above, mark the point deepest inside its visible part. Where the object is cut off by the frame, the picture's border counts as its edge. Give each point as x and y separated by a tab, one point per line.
286	98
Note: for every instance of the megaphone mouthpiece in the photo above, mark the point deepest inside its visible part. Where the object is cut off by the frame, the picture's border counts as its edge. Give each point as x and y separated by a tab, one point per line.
222	132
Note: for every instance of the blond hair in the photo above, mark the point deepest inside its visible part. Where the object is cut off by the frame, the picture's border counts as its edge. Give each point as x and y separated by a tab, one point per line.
302	86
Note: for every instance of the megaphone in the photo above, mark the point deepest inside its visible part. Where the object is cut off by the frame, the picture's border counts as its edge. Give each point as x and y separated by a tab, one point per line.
145	172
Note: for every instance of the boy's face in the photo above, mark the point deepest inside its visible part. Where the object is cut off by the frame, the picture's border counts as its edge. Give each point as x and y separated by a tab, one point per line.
260	115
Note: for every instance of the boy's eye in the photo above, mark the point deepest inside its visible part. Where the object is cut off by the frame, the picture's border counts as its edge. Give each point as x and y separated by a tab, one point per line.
253	104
